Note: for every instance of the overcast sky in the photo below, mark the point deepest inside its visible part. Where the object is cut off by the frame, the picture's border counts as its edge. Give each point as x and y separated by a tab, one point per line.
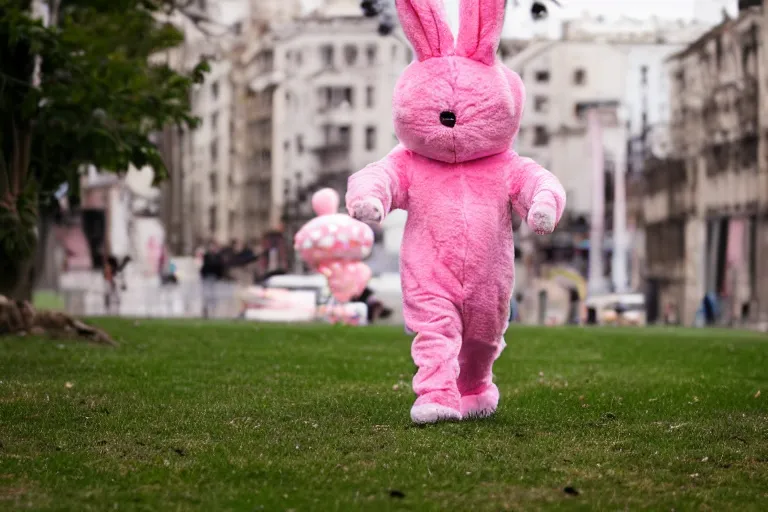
519	24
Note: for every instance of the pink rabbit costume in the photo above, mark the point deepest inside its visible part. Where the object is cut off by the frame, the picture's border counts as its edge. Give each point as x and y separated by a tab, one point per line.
457	111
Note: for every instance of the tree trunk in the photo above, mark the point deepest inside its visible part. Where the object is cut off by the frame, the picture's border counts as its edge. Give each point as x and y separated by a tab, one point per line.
17	277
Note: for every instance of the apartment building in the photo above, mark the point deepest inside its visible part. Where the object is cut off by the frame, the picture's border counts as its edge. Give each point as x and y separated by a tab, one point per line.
593	63
203	199
704	204
319	93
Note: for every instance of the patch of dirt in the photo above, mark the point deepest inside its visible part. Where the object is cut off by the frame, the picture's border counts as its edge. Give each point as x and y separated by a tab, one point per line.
20	318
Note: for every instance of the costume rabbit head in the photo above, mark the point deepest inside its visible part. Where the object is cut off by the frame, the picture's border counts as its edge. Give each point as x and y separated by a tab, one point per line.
456	102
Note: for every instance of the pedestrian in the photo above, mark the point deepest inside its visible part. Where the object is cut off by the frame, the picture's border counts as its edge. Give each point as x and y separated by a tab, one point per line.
211	272
376	309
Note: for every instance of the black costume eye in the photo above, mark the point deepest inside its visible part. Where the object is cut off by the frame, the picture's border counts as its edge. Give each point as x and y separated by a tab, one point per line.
448	119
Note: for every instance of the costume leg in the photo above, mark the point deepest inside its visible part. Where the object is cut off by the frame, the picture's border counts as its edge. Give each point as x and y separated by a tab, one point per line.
435	351
484	324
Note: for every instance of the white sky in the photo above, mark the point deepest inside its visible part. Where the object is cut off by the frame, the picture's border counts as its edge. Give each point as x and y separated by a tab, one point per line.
519	23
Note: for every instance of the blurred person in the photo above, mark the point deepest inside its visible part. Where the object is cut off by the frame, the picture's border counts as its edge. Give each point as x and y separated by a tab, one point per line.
167	268
573	307
376	309
514	307
212	272
115	280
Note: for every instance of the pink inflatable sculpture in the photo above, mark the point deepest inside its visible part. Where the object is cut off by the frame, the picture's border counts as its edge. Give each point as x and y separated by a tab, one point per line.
335	244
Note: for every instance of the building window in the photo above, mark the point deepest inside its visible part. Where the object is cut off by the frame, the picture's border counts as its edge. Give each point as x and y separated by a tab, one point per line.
326	54
350	54
370	138
215	121
409	55
215	89
579	77
214	151
370	98
540	136
345	135
371	54
542	76
394	52
719	52
299	144
541	104
212	216
213	183
644	75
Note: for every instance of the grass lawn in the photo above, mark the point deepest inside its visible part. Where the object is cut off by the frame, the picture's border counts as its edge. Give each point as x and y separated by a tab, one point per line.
44	299
238	416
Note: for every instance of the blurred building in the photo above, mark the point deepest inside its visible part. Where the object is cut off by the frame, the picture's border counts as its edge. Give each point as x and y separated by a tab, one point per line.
704	207
204	197
318	94
762	242
595	62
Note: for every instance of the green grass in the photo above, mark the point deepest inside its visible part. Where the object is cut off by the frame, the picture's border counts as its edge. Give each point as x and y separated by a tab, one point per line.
45	299
238	416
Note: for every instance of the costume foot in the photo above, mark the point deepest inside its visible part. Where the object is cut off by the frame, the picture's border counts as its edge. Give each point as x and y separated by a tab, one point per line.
436	406
432	413
480	405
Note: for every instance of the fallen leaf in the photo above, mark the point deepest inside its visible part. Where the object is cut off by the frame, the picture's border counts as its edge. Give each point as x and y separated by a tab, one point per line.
694	475
757	395
68	385
705	459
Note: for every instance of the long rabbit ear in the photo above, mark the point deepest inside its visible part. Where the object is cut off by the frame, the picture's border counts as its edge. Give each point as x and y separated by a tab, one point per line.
480	25
424	23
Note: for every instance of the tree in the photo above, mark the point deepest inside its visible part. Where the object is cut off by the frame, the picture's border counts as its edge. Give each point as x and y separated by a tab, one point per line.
100	97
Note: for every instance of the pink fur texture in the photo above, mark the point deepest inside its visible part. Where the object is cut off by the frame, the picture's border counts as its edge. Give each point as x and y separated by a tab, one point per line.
459	183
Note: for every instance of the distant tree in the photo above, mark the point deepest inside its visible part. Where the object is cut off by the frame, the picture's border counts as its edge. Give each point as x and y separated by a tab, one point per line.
99	98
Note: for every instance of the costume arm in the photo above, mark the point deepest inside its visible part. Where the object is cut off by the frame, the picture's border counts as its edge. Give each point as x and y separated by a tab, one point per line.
536	194
379	188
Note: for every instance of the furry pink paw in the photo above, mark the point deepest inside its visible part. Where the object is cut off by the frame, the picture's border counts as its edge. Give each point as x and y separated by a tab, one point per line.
368	210
542	218
432	413
480	405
